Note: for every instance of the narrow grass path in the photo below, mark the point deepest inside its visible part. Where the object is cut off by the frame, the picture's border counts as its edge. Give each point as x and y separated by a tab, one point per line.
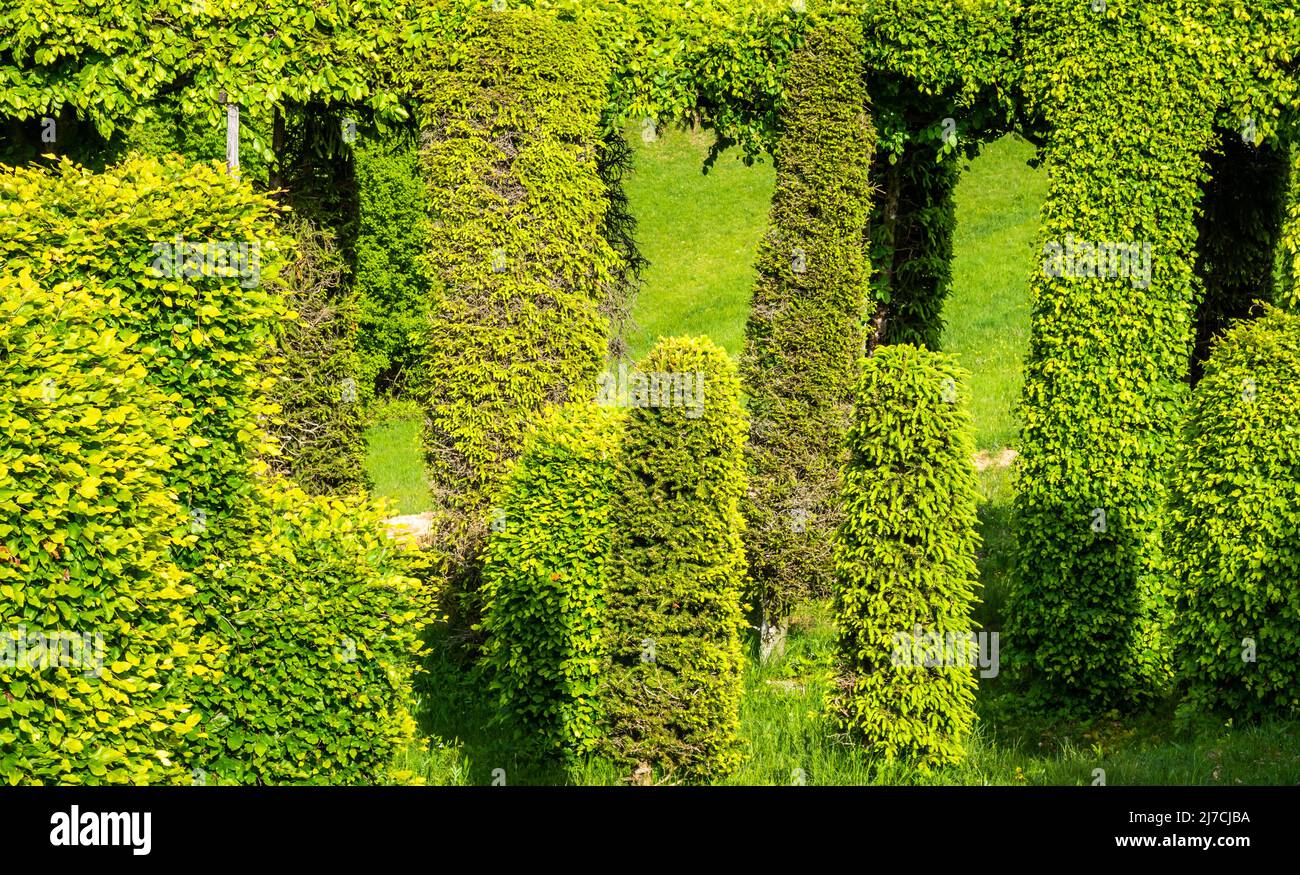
987	312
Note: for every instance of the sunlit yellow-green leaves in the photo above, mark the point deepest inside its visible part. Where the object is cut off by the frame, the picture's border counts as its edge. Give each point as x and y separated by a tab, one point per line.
905	559
88	526
545	572
670	687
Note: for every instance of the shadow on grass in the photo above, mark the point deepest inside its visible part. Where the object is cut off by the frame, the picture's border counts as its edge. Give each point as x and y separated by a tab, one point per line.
459	717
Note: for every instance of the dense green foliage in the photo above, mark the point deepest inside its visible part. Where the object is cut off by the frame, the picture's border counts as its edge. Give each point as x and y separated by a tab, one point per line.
1235	526
97	644
805	331
905	562
726	63
153	230
545	572
498	265
319	429
322	621
670	688
112	62
390	277
912	229
1109	351
267	572
516	251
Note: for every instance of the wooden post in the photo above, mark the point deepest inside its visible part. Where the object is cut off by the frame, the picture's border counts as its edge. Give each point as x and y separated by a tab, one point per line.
232	135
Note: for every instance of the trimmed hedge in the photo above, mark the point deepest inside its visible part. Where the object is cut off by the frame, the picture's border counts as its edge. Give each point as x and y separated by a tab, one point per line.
320	426
516	250
1235	527
269	573
545	572
390	278
204	336
805	331
87	528
905	561
323	622
671	686
1105	377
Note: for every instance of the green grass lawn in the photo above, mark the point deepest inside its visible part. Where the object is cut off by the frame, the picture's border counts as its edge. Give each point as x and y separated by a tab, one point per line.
393	457
700	234
987	312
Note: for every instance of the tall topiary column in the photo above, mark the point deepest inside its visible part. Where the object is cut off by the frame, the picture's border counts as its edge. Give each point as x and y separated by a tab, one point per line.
1235	526
519	262
671	685
805	330
905	562
1111	337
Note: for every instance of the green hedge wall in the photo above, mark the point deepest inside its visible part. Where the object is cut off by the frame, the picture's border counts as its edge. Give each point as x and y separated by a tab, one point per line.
204	336
319	429
516	250
905	561
88	524
671	685
391	281
545	573
1235	527
805	331
1108	358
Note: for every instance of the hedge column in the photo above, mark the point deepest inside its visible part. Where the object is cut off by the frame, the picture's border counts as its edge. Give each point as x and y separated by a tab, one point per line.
672	683
905	562
1235	526
805	330
545	572
1111	337
516	251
